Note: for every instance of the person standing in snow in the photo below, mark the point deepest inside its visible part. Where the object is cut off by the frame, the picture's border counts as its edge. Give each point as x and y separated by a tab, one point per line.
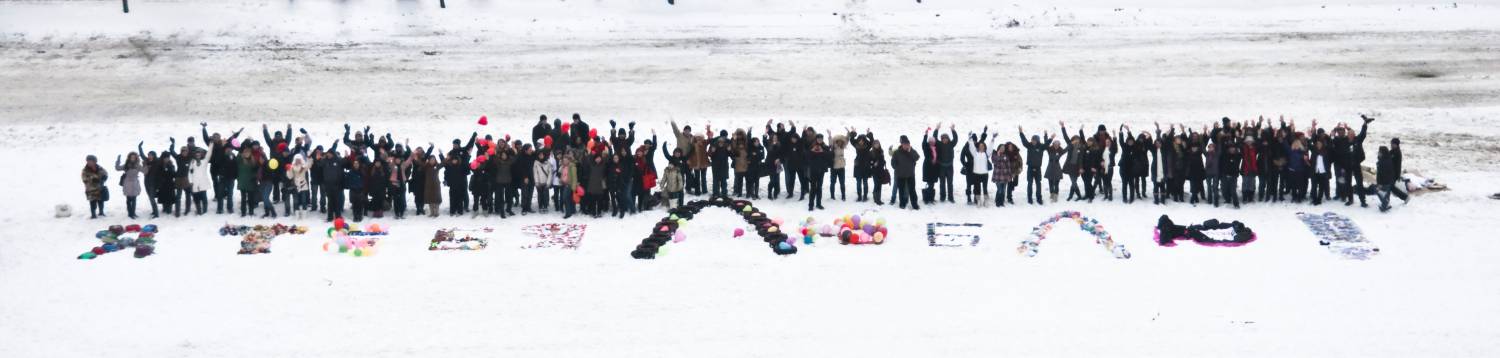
544	175
1034	150
819	159
93	185
431	188
719	160
1354	159
199	178
1071	166
978	174
1386	176
297	172
904	161
130	181
332	168
354	181
836	173
221	164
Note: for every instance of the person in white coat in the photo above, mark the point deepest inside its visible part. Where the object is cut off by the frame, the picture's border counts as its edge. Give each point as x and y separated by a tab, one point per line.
200	180
979	150
298	173
544	172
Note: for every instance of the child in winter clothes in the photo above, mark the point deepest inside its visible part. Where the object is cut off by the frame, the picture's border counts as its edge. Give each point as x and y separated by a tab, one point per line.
671	187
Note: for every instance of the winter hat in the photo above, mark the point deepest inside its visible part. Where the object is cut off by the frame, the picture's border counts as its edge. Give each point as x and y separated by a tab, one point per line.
544	118
905	140
576	117
1395	142
91	158
455	142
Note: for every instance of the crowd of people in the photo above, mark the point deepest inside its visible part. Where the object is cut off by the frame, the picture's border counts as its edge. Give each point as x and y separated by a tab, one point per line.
569	168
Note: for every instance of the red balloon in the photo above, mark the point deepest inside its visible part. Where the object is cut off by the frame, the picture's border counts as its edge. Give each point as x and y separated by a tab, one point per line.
593	132
484	120
547	141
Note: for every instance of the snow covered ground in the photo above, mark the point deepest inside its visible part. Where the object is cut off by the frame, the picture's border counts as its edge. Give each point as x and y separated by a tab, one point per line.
80	77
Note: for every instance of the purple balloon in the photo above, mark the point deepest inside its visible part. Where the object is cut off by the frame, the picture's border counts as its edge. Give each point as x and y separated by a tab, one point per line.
870	229
854	220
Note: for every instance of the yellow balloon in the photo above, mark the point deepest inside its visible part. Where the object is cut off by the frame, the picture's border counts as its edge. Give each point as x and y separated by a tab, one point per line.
274	164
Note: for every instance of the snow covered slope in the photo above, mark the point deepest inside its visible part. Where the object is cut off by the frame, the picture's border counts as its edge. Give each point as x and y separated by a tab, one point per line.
79	77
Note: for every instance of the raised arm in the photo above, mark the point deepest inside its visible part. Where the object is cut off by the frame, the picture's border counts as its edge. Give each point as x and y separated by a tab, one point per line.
1363	128
266	133
204	127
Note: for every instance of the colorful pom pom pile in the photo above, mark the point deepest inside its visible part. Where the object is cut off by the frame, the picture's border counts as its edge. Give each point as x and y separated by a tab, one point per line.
1029	246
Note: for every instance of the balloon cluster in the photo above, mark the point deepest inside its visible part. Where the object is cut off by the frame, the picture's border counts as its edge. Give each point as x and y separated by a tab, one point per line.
854	229
257	239
454	239
117	237
666	229
352	241
1093	227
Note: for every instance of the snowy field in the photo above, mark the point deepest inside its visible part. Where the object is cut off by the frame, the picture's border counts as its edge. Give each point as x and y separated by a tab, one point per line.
80	77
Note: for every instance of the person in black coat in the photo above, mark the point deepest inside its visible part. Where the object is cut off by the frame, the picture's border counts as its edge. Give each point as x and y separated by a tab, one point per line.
332	168
1386	176
1034	161
904	161
456	174
522	174
718	158
354	180
819	159
221	167
166	188
945	146
579	131
1354	158
542	129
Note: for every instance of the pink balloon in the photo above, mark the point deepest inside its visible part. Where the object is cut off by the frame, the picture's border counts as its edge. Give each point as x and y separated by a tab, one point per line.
739	232
678	237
